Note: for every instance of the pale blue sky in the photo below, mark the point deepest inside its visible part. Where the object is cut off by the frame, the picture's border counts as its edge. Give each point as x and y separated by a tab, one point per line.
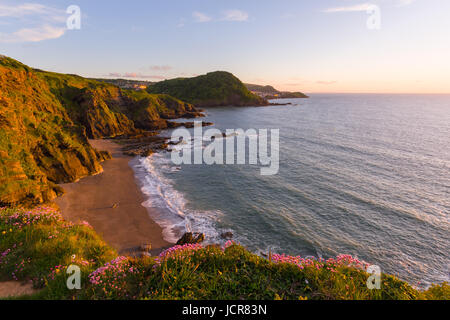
312	46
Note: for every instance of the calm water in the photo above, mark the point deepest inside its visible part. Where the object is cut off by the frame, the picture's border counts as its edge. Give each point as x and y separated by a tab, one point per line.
366	175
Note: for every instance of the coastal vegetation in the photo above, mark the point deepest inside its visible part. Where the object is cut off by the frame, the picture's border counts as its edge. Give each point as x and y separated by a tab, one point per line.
47	118
38	246
262	89
211	90
269	92
287	95
127	83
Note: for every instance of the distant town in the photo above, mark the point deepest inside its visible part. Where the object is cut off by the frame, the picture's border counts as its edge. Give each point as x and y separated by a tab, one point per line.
266	92
137	85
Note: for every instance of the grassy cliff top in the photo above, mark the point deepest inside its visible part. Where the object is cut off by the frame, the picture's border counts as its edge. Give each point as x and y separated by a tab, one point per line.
46	119
213	89
260	88
271	93
38	245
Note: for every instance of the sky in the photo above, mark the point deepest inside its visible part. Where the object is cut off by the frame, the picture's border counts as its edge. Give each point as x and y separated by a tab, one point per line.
342	46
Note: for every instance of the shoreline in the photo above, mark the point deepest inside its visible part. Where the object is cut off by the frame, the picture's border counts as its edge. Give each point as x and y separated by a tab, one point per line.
111	202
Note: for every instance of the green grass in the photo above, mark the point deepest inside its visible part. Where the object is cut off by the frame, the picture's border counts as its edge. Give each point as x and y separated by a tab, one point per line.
38	245
46	119
213	89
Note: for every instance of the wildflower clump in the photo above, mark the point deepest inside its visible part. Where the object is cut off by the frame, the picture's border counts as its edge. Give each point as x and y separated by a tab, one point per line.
38	245
330	264
20	218
111	280
178	252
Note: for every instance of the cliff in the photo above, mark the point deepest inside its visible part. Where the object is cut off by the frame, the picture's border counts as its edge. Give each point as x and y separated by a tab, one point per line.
183	272
211	90
45	122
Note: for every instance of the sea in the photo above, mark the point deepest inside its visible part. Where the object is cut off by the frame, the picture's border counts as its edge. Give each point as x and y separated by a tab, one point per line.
360	174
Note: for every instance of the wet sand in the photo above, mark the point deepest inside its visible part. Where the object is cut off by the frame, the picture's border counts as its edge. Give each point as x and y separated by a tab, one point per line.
112	203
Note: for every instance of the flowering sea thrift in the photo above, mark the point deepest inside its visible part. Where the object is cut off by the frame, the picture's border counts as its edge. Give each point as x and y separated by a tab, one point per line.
86	224
331	264
28	238
114	268
178	252
22	218
130	278
228	244
110	281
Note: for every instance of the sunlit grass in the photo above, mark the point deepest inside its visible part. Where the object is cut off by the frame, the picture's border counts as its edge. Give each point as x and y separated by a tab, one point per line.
38	245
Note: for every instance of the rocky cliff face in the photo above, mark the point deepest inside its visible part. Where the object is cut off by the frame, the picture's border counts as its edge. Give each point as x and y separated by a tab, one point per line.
47	118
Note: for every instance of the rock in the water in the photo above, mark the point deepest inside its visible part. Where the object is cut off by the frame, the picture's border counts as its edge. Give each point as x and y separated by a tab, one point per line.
191	238
227	235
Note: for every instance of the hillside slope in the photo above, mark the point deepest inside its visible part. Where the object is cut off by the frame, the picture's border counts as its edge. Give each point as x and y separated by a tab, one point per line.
262	89
45	122
188	272
211	90
269	92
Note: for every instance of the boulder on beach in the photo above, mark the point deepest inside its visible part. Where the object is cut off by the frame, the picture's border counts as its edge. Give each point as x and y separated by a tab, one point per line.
191	238
227	235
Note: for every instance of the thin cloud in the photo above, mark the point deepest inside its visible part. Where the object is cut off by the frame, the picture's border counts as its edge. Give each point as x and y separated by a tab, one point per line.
21	10
326	82
354	8
228	15
365	6
235	15
181	23
32	9
201	17
160	68
38	22
37	34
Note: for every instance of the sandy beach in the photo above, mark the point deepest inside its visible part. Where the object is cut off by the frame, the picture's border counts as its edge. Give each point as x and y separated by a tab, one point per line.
112	203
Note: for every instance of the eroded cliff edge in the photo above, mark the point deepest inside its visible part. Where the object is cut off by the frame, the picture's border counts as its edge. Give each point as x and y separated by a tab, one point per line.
47	118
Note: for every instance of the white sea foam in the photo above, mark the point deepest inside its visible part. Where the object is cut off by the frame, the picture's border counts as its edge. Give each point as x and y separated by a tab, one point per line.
172	213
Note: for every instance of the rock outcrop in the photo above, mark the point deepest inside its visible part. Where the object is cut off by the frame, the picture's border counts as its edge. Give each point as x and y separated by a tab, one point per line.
191	238
227	235
47	118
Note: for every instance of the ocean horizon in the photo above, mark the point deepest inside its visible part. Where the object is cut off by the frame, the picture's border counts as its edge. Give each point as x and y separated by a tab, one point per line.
360	174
